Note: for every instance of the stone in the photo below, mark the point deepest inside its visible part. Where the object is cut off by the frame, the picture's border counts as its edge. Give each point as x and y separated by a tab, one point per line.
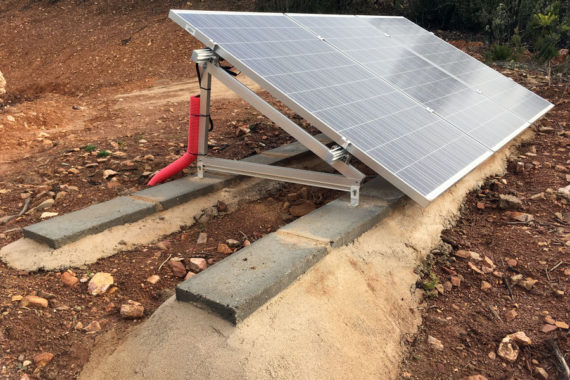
47	214
509	202
520	337
132	310
468	255
492	355
440	289
447	286
17	298
517	216
45	204
189	275
512	262
480	205
177	267
34	301
78	326
548	319
222	206
511	315
119	154
562	325
2	84
435	343
69	280
100	283
474	268
42	359
153	279
198	264
223	248
508	350
233	243
485	286
564	192
246	243
474	377
488	262
455	281
108	174
60	195
302	209
163	245
93	327
202	238
73	171
527	283
542	372
548	328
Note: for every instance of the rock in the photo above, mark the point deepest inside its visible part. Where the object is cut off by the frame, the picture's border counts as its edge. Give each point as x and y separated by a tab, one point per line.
223	248
455	281
510	315
153	279
564	192
548	328
93	327
100	283
480	205
73	171
246	243
485	286
447	286
492	355
2	85
222	206
178	269
474	377
488	262
562	325
17	298
468	255
440	289
542	372
163	245
48	214
108	174
520	337
435	343
119	154
548	319
519	216
132	310
68	279
198	264
509	202
474	268
202	238
302	209
189	275
45	204
34	301
42	359
78	326
512	262
60	195
233	243
527	283
560	168
148	157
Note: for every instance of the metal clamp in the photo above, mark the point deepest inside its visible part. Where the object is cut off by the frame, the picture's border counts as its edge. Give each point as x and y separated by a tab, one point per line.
203	55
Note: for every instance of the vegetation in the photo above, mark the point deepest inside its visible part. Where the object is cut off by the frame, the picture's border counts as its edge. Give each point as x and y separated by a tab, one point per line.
542	26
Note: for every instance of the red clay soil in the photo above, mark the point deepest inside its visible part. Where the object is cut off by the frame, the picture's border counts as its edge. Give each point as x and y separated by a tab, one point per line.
63	124
471	322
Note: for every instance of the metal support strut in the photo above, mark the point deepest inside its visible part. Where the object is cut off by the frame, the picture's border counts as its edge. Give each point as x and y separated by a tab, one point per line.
338	157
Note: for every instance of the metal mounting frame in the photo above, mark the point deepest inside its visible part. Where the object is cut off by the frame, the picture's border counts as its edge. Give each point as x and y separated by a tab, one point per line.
349	178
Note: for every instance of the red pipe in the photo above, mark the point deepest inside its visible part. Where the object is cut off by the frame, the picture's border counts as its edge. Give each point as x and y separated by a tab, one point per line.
190	155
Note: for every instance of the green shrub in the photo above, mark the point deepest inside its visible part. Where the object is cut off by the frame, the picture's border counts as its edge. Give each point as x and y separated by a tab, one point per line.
501	52
103	153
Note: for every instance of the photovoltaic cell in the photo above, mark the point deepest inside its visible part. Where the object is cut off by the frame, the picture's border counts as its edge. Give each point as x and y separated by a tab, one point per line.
412	122
502	90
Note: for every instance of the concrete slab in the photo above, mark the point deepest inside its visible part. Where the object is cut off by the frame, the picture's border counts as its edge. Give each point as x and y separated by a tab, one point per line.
67	228
182	190
338	223
235	287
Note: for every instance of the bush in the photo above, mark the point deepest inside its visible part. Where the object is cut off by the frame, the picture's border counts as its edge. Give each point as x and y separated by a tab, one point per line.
501	52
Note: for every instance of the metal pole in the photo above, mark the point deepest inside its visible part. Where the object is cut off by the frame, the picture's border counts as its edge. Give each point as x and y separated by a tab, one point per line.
205	89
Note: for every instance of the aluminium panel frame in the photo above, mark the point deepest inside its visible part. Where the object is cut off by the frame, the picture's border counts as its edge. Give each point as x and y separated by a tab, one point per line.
349	180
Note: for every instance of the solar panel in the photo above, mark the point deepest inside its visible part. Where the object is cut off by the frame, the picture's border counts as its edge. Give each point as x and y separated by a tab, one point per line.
407	119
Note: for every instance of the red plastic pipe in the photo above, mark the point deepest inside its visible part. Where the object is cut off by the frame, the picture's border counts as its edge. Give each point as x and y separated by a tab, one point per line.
191	153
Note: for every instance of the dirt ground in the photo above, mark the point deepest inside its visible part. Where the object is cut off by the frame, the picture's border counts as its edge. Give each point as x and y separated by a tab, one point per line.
104	86
471	320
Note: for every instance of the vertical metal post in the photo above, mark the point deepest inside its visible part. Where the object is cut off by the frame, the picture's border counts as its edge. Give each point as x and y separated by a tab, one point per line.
354	195
205	88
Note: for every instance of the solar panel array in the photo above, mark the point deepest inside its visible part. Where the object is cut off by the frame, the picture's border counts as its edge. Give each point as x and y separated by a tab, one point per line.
371	81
